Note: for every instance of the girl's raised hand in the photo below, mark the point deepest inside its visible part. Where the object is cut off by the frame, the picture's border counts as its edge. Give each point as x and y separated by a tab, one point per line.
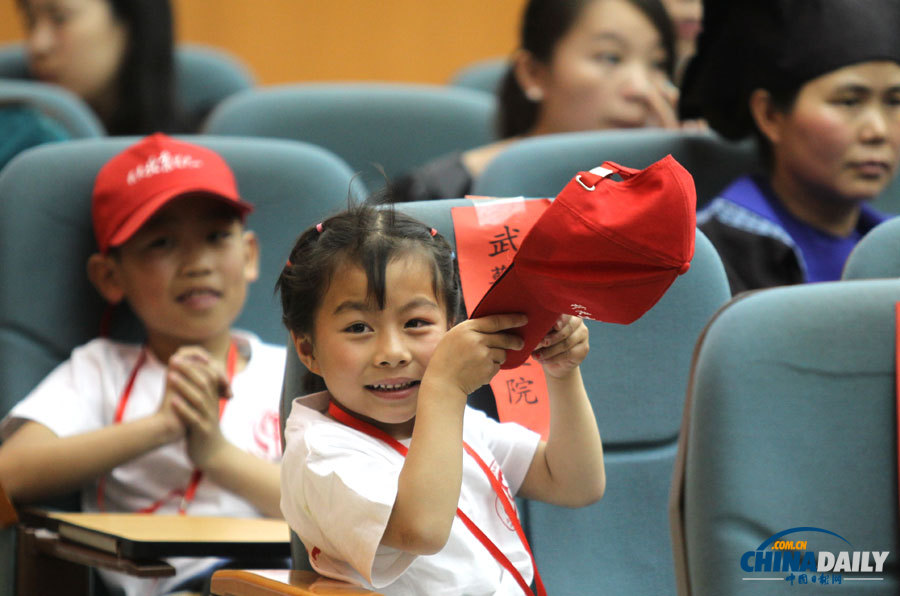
564	348
470	353
198	382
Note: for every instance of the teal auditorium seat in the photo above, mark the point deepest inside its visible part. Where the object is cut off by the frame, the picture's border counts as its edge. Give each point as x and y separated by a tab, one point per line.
790	422
540	166
636	376
204	76
483	75
888	200
12	61
54	102
395	126
877	254
47	305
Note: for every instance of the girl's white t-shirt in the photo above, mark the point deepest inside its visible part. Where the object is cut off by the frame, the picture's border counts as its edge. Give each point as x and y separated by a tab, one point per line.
82	394
339	485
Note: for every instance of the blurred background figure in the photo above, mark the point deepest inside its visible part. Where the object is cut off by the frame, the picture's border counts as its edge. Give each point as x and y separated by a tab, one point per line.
687	16
116	55
817	82
581	65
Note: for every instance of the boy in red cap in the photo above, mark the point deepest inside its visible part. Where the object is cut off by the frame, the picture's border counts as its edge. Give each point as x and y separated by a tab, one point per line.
188	421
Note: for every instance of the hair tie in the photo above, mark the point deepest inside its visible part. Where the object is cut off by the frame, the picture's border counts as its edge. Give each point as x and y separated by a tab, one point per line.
288	263
319	227
433	232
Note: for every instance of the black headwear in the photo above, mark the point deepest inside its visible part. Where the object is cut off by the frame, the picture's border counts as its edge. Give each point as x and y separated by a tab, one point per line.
779	45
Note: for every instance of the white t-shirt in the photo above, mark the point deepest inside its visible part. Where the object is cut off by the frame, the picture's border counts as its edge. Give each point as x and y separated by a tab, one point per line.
82	394
338	486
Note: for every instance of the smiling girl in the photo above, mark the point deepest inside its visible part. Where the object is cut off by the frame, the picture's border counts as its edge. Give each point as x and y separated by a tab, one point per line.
389	479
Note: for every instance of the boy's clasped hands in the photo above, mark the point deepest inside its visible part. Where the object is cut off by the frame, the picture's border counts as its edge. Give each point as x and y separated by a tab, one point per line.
195	383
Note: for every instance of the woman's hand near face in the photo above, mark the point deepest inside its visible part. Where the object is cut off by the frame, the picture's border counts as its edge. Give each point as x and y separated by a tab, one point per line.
663	102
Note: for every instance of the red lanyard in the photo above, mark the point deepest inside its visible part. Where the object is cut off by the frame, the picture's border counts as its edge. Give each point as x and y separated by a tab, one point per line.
187	494
364	427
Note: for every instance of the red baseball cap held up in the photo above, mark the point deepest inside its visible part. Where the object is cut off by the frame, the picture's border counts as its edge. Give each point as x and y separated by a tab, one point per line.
605	250
140	180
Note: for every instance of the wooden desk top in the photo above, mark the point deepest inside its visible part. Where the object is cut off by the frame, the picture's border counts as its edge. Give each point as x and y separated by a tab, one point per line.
142	536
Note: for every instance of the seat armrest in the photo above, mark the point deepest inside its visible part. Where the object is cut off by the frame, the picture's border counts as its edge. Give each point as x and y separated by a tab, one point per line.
254	582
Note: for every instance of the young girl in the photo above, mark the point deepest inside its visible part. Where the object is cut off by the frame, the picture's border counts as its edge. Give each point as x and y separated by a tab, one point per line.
388	478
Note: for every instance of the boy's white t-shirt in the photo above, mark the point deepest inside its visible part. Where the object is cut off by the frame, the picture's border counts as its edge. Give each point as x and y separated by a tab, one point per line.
338	486
82	394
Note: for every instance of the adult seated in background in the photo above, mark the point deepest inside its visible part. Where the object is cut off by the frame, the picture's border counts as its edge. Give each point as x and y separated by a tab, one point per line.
818	83
581	65
116	55
24	127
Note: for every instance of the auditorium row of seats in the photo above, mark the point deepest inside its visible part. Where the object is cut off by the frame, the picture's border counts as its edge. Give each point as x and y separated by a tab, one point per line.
724	420
384	130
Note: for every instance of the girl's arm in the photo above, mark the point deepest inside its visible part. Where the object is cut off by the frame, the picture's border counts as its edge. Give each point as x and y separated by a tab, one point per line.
35	463
430	480
568	468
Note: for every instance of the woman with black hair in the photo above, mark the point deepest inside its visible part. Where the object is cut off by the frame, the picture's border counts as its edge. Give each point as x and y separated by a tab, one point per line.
581	65
817	82
117	55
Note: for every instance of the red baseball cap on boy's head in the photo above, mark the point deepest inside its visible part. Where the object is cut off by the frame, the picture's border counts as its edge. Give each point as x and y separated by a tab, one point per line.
137	182
603	250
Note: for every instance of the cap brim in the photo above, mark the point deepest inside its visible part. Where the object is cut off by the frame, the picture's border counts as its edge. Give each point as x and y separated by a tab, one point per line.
509	295
150	207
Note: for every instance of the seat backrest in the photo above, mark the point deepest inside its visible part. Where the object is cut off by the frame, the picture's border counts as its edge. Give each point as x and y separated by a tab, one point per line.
888	200
636	376
790	424
75	117
396	126
47	305
12	61
540	166
204	76
484	75
877	254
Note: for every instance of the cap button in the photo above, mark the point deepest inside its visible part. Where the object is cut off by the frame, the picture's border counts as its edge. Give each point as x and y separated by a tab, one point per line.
684	268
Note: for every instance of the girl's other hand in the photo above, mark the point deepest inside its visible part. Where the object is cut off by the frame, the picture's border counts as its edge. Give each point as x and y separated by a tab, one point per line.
564	348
